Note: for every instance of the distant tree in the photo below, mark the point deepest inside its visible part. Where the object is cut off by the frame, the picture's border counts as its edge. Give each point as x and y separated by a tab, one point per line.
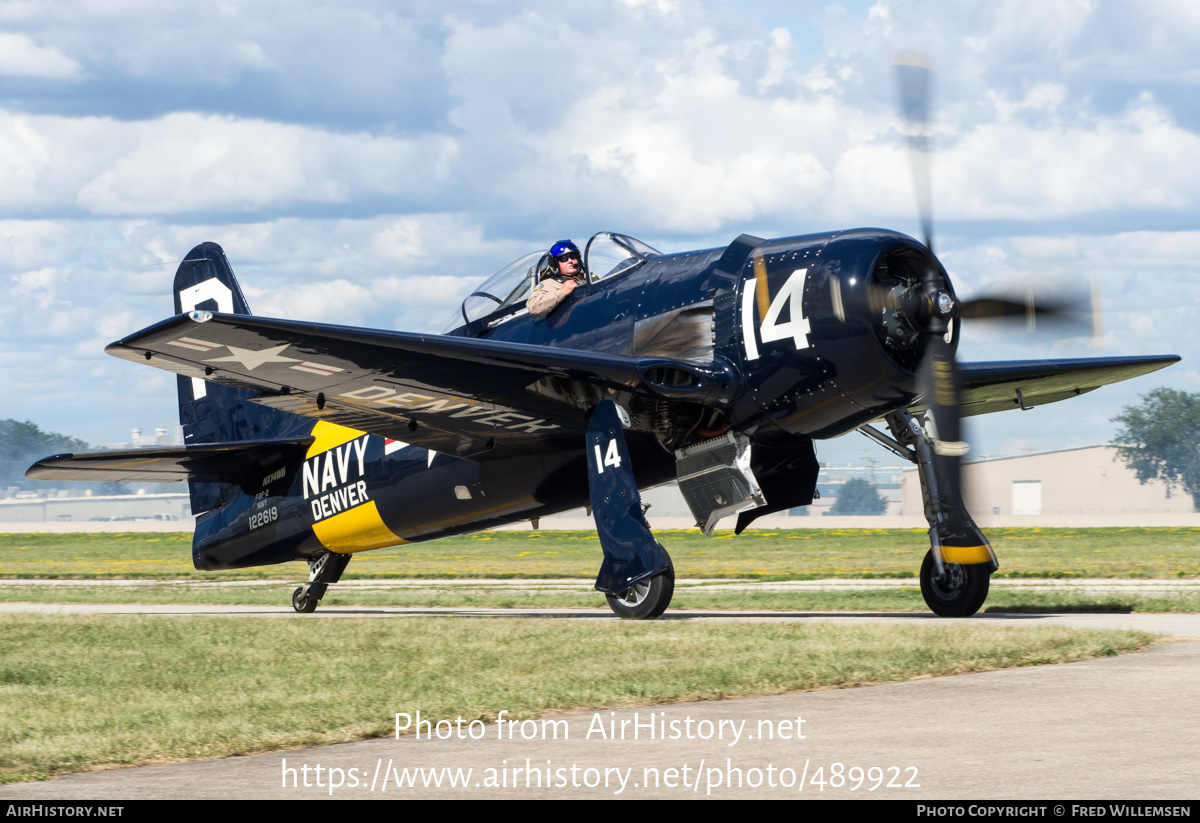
21	444
1161	439
858	496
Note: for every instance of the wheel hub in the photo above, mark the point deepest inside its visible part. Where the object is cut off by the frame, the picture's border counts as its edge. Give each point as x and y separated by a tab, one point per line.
950	584
636	594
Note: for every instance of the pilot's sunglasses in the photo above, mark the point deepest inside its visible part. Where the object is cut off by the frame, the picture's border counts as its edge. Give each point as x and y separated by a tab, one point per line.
571	255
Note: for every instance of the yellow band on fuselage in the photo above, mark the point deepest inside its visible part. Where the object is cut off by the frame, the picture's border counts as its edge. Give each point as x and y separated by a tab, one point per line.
358	529
330	436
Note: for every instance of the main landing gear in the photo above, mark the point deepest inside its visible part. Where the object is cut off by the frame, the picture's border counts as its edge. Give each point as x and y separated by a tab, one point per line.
636	577
322	571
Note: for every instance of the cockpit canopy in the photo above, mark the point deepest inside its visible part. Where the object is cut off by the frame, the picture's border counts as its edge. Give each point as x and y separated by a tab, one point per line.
606	255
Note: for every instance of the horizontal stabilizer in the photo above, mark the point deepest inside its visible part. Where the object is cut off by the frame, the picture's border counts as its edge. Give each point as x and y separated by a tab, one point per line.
213	462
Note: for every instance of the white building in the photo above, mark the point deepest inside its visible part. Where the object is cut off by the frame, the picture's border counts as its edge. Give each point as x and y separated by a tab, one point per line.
1089	480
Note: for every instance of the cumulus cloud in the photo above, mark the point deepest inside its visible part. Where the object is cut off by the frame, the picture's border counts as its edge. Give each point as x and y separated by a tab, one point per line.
21	57
192	163
31	244
690	135
1014	170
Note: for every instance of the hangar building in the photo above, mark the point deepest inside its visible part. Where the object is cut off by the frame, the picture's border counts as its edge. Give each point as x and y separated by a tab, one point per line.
1089	480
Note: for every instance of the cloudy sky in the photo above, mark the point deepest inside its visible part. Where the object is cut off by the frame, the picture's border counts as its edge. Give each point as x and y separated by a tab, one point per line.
367	162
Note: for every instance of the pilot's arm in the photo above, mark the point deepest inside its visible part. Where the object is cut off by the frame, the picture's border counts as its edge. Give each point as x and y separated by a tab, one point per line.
548	295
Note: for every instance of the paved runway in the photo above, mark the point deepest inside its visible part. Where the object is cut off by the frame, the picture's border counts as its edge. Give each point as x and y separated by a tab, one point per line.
1182	625
1117	728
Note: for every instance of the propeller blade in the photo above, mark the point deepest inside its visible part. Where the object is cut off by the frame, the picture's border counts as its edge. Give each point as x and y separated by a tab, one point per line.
955	535
1041	309
940	388
913	75
835	297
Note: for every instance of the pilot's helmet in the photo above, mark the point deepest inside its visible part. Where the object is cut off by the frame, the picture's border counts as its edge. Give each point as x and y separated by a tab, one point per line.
563	249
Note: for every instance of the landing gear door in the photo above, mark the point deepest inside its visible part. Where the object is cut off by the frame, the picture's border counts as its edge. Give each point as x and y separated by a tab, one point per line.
631	554
716	479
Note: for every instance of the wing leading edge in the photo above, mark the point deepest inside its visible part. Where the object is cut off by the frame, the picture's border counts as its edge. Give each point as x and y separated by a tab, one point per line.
465	397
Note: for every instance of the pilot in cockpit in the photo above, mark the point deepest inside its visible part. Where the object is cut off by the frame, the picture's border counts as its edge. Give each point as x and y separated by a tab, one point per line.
563	275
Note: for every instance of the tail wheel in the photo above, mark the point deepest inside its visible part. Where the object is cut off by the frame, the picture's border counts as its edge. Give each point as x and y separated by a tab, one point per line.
959	592
645	600
303	601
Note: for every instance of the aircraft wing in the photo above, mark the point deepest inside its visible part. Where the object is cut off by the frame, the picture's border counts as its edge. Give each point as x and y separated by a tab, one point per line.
464	397
992	387
213	462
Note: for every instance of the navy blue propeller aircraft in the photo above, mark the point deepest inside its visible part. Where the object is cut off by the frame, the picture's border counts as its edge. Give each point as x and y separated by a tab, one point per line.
716	369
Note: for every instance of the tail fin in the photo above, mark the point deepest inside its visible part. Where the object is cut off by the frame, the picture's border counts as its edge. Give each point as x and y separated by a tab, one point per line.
205	281
209	412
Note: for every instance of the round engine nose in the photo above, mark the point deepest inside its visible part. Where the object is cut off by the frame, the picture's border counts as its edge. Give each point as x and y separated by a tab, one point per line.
900	308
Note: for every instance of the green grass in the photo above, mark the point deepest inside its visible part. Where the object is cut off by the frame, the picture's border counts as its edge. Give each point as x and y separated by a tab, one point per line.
87	692
791	554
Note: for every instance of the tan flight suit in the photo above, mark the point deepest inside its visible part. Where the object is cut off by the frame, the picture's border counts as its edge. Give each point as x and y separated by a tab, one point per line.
548	294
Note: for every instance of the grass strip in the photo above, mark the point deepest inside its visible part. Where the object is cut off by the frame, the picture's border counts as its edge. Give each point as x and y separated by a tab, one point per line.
78	693
764	554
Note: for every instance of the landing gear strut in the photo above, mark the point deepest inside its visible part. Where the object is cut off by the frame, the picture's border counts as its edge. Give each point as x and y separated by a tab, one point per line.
322	571
636	577
956	572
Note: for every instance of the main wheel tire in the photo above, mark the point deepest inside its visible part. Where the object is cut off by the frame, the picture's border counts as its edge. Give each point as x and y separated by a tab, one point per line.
303	604
645	600
959	593
668	593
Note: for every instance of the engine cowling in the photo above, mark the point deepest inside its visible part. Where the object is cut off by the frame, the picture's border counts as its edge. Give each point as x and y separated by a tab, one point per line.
828	332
